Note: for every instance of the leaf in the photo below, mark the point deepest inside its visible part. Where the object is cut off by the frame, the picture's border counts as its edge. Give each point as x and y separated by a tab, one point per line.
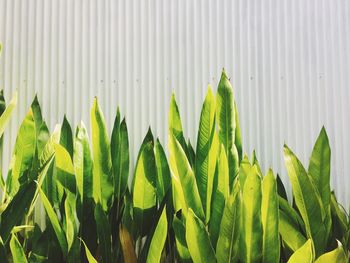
16	210
244	170
180	240
70	223
144	189
207	149
83	163
198	240
6	115
238	136
55	223
220	194
319	167
127	245
337	255
163	172
227	247
182	171
102	177
3	253
103	233
307	200
65	168
66	139
270	219
175	126
88	254
280	188
120	156
339	218
303	254
158	239
252	232
17	251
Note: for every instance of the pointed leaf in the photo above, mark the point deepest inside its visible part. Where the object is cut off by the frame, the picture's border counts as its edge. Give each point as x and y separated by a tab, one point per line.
66	139
303	254
88	254
6	115
337	255
163	172
198	240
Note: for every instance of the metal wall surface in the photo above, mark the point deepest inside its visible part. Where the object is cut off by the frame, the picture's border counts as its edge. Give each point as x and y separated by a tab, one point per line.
288	62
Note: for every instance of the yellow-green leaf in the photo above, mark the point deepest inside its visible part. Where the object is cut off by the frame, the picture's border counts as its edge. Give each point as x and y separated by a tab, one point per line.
304	254
6	115
88	254
17	251
337	255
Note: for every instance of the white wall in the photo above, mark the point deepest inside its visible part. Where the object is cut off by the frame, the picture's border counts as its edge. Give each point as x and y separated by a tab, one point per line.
288	61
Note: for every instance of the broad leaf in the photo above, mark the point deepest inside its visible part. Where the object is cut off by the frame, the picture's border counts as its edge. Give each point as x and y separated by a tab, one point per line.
102	176
252	232
337	255
303	254
307	200
17	251
158	239
65	168
66	139
198	240
180	240
163	172
270	219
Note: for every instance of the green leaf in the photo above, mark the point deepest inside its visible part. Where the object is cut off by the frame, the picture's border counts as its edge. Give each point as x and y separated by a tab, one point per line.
198	240
16	210
88	254
66	139
207	150
127	245
83	163
103	233
182	172
175	126
144	189
3	253
238	136
17	251
180	240
281	189
252	232
244	170
303	254
102	177
307	200
319	167
70	223
228	242
158	239
120	156
65	168
337	255
220	193
6	115
163	172
55	223
339	219
269	218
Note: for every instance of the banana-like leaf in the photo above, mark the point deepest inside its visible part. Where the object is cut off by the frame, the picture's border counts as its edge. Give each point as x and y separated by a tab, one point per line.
127	245
281	189
180	240
144	189
23	153
163	172
103	233
292	214
120	156
55	223
228	242
269	218
102	176
307	200
16	210
244	170
83	163
319	167
252	232
198	241
70	223
191	154
6	115
65	168
43	136
88	254
175	126
66	139
182	171
158	239
17	251
337	255
220	193
206	152
304	254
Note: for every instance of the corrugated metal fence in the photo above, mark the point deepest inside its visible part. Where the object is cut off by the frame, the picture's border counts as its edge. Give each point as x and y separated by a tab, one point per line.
288	61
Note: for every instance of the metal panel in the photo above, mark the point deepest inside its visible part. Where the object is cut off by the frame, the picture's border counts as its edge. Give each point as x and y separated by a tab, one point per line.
288	62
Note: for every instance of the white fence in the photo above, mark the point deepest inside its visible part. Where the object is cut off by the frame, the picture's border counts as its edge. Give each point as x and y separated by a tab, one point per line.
288	61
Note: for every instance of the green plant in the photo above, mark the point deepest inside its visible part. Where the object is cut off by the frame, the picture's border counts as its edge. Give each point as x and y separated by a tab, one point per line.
211	204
